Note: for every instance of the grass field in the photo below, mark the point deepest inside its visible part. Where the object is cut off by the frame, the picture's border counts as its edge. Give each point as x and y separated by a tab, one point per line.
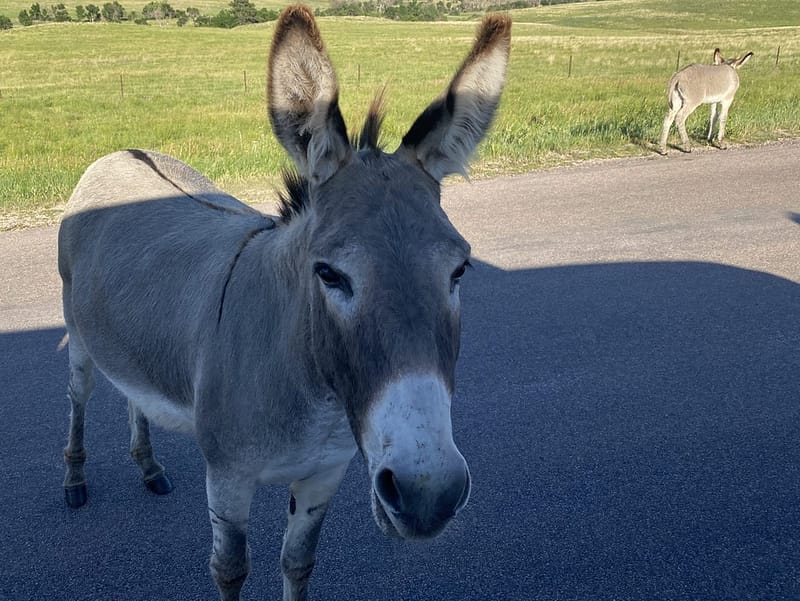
70	93
665	16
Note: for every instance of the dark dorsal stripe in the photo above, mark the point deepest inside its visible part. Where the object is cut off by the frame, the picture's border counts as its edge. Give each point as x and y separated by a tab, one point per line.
249	238
140	155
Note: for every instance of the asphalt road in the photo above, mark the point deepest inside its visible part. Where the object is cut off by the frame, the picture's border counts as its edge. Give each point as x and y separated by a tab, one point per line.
628	401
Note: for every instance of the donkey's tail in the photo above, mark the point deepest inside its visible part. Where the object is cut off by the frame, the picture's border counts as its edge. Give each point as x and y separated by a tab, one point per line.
674	94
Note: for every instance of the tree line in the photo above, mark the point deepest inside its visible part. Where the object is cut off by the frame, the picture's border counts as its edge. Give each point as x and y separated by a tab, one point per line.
243	12
238	12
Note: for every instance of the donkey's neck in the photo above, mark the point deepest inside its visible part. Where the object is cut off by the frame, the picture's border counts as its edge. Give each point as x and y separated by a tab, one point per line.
265	304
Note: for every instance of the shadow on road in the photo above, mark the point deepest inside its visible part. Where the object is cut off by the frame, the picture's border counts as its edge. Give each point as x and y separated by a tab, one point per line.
631	429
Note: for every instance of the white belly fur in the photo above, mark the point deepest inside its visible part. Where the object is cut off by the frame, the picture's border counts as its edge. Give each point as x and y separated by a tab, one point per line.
157	408
329	442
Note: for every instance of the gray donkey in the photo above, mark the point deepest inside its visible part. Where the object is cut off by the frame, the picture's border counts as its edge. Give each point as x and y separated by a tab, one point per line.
702	84
286	344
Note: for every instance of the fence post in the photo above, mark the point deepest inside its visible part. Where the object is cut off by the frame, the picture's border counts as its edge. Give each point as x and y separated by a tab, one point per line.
678	61
569	69
245	81
777	56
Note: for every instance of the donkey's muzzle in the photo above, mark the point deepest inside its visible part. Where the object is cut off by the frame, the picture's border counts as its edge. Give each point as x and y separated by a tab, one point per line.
419	478
420	505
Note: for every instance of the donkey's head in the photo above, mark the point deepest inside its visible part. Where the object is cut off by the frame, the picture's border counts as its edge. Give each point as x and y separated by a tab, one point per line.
382	263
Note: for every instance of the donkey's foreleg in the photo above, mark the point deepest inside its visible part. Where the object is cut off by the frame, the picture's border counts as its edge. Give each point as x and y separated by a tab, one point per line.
307	506
142	452
229	499
81	384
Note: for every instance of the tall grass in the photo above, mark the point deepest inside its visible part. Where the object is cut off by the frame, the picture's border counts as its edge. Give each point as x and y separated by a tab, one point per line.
70	93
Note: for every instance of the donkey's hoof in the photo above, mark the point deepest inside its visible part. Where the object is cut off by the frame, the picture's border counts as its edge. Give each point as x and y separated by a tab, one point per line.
159	484
76	496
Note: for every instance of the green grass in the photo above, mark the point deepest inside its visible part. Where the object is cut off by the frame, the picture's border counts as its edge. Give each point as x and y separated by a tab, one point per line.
668	16
70	93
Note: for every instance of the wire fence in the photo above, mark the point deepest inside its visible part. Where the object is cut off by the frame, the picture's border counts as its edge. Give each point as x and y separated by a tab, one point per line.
126	86
250	85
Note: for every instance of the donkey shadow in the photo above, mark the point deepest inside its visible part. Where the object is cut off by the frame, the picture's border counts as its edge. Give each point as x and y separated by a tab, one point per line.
631	430
644	415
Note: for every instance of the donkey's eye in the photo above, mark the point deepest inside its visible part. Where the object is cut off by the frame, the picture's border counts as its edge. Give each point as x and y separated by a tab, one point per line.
456	276
459	272
330	277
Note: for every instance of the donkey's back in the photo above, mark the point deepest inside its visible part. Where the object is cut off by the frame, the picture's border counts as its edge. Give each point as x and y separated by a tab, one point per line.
185	233
702	84
139	175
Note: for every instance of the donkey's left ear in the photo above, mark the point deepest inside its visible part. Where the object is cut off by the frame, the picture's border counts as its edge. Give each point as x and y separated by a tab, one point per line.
303	97
743	60
444	136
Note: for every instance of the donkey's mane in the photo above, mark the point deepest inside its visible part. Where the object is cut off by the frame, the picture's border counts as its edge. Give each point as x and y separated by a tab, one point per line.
294	199
369	138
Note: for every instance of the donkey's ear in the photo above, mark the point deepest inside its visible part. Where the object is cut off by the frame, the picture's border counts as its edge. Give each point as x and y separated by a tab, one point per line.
444	136
303	97
740	61
718	60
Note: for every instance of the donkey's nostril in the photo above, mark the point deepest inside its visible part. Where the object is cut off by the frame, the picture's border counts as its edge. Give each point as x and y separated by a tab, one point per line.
387	488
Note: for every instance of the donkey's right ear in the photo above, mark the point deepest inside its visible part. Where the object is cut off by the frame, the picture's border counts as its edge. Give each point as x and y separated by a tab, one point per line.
718	60
303	97
444	136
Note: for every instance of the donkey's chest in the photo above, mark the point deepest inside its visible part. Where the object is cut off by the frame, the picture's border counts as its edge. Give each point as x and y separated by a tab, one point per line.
326	442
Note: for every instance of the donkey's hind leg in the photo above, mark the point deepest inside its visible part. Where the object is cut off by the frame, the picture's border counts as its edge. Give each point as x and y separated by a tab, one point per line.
713	118
142	452
81	384
680	122
662	145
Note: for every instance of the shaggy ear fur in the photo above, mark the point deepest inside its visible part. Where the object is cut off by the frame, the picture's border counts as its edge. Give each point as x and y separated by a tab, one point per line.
303	97
444	136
